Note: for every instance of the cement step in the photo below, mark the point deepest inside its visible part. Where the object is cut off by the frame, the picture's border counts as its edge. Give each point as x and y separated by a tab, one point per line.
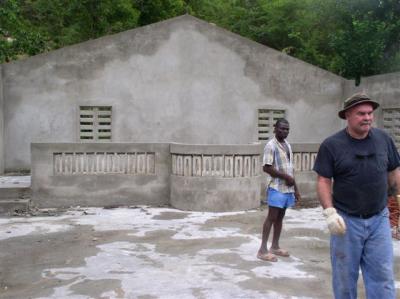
7	193
15	193
11	207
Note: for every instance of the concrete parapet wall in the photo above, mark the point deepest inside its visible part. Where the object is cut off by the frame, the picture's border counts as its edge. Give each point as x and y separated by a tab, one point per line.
215	194
307	184
304	155
1	122
99	174
215	178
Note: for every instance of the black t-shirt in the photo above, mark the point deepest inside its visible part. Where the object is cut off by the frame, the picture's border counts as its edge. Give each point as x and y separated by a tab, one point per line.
359	170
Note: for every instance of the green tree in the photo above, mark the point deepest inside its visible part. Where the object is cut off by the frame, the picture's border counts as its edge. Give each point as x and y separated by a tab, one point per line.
71	21
219	12
352	38
17	39
158	10
29	27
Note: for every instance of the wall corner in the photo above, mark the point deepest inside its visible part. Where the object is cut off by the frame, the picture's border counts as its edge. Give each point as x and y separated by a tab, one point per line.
1	122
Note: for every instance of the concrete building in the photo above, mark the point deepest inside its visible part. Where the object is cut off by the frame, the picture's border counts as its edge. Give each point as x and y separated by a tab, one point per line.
178	81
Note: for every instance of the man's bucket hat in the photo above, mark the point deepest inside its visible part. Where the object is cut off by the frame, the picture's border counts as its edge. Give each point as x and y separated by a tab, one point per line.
354	100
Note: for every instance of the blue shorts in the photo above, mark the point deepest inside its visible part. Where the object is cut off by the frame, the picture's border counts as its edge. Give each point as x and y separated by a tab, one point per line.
279	200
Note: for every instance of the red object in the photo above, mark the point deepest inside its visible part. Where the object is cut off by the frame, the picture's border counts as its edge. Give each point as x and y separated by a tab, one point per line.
394	215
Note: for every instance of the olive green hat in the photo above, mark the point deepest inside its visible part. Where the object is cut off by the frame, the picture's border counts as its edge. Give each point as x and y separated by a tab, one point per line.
355	100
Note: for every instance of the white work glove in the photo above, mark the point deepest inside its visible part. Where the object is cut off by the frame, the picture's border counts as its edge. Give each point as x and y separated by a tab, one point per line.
335	222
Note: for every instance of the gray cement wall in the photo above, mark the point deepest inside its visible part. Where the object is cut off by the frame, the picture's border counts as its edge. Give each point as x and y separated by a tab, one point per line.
1	123
100	174
215	178
181	80
383	88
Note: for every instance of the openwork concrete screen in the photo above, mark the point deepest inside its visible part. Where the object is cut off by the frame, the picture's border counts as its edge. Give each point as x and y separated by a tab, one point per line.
391	123
216	165
95	123
304	161
103	163
100	174
304	155
266	121
215	178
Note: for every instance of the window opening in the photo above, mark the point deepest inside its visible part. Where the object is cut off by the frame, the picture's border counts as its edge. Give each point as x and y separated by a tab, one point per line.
391	123
95	123
266	121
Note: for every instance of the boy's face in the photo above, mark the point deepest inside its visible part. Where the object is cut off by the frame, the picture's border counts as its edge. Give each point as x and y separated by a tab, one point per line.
281	131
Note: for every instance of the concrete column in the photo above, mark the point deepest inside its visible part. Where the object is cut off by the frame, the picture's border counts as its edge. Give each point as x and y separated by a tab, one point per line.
1	123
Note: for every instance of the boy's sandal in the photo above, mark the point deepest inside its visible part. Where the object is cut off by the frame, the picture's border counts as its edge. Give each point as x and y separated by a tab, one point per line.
280	252
268	257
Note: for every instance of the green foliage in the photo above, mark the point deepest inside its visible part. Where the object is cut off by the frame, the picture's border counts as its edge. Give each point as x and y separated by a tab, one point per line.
17	39
219	12
158	10
29	27
65	22
361	39
352	38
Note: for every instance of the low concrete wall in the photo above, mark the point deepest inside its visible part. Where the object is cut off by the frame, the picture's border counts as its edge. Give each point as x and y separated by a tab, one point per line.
304	155
100	174
1	122
215	178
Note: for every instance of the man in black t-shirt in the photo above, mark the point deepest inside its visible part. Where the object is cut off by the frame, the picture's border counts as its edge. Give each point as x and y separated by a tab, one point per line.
354	168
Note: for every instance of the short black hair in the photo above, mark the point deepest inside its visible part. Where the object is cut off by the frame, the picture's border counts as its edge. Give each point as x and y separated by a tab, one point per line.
281	120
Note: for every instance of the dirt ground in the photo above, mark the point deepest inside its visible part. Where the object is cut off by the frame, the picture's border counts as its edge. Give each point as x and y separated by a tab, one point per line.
146	253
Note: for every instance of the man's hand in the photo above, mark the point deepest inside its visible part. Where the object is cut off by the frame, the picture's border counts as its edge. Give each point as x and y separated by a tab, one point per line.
289	180
335	222
297	196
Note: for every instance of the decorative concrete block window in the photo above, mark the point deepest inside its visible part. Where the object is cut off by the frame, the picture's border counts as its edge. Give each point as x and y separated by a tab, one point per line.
266	121
391	123
95	123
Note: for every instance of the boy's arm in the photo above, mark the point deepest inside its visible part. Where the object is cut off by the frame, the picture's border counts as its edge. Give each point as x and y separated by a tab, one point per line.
278	174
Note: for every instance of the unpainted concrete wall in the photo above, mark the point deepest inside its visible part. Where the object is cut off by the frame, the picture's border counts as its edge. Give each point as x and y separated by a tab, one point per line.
1	122
71	185
385	89
181	80
216	178
112	174
189	177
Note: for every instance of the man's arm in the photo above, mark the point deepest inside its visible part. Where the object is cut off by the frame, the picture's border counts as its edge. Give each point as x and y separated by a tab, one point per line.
336	224
394	181
324	191
278	174
297	192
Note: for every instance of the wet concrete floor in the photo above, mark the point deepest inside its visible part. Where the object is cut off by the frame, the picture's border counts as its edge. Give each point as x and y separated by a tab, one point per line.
146	252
